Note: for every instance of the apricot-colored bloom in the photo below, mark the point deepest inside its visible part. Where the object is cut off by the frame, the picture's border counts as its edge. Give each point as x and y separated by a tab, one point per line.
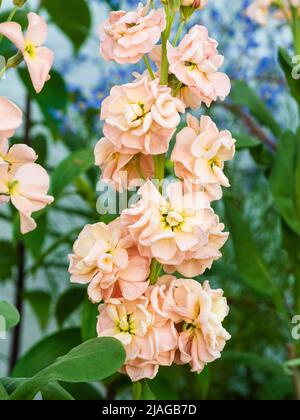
166	228
127	36
141	117
27	189
10	118
201	150
105	258
16	156
149	340
122	170
39	59
259	11
199	312
200	258
195	63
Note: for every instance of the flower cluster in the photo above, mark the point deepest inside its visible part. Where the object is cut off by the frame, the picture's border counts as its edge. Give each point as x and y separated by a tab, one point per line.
171	228
23	182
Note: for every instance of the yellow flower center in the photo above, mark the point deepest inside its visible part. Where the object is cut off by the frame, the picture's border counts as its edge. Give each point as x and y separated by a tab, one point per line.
12	187
126	325
30	49
171	218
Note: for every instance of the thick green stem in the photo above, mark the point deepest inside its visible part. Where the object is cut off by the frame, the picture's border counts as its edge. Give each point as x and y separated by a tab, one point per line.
137	391
296	30
181	26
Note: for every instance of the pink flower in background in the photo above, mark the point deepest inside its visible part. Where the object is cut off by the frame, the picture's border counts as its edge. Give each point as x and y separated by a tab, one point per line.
10	118
16	156
199	312
39	59
27	189
106	258
141	117
201	150
195	63
121	170
127	36
259	11
166	228
149	340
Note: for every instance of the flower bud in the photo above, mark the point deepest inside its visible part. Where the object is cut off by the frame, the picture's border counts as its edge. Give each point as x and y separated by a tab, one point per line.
19	3
188	7
174	5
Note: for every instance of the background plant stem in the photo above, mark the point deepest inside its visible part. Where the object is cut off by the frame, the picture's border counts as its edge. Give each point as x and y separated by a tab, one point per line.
21	276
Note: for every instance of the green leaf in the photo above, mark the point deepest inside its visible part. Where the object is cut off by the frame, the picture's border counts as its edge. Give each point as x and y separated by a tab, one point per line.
10	314
8	259
245	141
55	392
69	169
203	382
243	95
3	393
89	315
93	360
285	180
34	240
254	361
73	19
251	265
82	391
67	303
287	66
142	391
53	99
46	352
40	302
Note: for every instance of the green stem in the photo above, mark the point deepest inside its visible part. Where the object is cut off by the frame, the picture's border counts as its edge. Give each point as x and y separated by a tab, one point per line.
164	78
296	30
137	391
180	29
2	71
149	68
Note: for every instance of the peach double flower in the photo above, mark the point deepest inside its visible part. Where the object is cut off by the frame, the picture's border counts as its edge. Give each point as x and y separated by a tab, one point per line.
141	117
39	59
122	170
201	150
195	63
106	259
126	37
149	340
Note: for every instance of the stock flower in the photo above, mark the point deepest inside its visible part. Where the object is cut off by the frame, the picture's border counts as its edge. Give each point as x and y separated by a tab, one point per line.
166	228
16	156
199	312
106	258
10	118
27	189
39	59
149	340
127	36
201	150
122	170
141	117
195	63
197	4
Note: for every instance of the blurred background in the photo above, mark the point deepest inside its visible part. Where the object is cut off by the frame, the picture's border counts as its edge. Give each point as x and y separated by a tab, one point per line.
64	121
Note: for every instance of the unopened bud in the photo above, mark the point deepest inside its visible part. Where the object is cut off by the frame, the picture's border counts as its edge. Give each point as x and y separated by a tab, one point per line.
19	3
196	4
174	5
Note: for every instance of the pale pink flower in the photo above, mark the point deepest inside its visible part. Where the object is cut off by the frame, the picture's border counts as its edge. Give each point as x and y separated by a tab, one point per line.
201	150
259	11
39	59
167	228
195	63
141	117
127	36
16	156
149	340
27	189
199	312
10	118
122	170
106	258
